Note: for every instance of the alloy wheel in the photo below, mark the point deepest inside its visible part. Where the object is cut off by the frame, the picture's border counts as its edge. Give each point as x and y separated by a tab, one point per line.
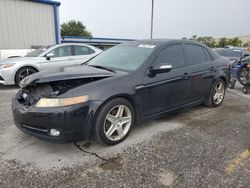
24	73
219	93
117	122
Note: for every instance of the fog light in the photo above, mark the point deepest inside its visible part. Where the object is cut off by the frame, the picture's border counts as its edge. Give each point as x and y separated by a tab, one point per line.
54	132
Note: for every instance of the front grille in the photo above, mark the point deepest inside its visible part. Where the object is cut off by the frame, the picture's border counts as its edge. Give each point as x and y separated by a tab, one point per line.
1	78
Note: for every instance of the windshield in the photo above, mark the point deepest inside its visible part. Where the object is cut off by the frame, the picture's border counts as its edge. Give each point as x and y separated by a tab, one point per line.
120	57
229	52
38	52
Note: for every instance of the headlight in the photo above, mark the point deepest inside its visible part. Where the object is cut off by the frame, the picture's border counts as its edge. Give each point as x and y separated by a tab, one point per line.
7	65
59	102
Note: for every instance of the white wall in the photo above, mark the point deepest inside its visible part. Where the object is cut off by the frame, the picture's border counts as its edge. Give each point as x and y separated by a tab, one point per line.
24	24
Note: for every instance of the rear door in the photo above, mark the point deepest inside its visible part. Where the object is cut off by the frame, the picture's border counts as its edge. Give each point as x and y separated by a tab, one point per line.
82	53
166	91
201	69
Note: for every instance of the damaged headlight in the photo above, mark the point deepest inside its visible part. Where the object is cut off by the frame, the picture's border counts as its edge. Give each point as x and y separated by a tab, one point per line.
59	102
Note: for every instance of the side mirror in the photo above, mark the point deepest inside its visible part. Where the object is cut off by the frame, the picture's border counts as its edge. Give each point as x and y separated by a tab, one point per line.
158	70
49	56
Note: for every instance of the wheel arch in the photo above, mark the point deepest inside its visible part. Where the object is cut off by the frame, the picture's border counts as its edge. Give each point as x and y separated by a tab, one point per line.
124	96
25	66
225	80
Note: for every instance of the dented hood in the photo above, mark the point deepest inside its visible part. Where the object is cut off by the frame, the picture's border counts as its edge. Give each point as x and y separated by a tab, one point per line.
66	73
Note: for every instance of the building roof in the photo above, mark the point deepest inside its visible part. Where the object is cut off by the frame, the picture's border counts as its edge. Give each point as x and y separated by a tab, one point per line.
93	41
48	2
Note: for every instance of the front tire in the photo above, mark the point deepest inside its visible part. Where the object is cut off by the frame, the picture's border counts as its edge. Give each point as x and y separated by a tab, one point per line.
114	121
217	94
23	73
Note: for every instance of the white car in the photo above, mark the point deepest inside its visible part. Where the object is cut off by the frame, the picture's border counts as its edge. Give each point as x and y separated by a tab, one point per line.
13	70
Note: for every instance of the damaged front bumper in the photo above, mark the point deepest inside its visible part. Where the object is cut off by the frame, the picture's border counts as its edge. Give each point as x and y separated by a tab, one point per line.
74	122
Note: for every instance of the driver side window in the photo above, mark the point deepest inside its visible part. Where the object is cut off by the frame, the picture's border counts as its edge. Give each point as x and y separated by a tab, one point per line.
172	55
62	51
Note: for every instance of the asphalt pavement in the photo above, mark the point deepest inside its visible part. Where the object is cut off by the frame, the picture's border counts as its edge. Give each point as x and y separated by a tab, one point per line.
197	147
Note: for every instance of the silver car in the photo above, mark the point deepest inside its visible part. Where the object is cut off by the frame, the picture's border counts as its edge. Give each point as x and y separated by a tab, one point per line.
13	70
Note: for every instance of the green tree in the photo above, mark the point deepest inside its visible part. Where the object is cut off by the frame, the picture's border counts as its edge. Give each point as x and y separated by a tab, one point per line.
246	45
234	41
209	41
223	42
74	28
194	37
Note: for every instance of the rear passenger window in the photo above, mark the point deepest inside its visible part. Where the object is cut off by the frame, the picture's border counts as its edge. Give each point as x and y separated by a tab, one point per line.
83	50
208	56
196	54
172	55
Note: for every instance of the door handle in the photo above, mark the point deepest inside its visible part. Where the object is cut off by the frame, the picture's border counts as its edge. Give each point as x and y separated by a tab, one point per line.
186	76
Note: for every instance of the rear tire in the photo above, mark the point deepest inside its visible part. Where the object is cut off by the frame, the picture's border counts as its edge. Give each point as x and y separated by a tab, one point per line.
114	121
242	75
23	73
217	94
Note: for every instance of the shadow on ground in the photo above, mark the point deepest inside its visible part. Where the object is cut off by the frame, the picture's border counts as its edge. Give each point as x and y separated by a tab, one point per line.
3	87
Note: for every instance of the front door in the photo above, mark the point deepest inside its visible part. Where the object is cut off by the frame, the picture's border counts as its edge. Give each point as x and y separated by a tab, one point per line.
166	91
62	57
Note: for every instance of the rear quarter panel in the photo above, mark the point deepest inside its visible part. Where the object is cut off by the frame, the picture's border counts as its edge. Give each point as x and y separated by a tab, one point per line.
222	64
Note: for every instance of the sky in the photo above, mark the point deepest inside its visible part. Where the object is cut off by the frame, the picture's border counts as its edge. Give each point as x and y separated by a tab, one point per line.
172	18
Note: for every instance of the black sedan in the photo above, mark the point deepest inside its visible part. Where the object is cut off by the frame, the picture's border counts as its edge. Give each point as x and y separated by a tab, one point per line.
105	97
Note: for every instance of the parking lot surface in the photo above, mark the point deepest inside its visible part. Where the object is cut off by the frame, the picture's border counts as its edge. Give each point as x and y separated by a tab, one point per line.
198	147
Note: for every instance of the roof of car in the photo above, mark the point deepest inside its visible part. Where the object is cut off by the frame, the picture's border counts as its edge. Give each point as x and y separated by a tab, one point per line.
66	44
156	40
159	42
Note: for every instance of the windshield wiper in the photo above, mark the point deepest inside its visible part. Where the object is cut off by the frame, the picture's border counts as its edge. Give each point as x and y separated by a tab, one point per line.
102	67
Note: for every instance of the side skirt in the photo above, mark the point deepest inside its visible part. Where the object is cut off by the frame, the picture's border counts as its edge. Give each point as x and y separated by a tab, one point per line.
167	112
